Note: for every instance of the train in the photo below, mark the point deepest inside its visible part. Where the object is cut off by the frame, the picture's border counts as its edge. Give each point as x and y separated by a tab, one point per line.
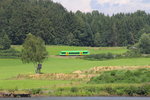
74	53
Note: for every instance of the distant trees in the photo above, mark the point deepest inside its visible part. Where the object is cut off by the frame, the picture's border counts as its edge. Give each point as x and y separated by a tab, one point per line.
5	42
34	51
56	26
142	47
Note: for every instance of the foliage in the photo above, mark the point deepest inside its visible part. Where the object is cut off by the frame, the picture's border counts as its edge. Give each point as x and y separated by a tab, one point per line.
144	44
101	56
5	42
137	76
34	50
132	52
10	68
94	90
130	90
36	91
9	53
56	26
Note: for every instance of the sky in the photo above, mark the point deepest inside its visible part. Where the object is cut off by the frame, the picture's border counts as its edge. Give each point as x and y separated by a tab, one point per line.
107	7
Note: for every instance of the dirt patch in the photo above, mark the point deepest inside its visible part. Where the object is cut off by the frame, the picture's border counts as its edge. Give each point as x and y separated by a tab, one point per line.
110	68
56	76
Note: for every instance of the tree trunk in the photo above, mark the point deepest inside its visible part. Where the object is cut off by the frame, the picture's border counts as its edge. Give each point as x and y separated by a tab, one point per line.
38	69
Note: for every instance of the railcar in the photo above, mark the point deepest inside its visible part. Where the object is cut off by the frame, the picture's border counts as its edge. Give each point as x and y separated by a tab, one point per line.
74	53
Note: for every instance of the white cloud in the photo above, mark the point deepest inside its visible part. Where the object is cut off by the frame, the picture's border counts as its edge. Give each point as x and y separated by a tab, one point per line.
74	5
114	1
106	6
117	6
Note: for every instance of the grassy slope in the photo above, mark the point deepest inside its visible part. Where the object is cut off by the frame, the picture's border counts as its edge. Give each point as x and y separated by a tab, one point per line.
54	50
13	67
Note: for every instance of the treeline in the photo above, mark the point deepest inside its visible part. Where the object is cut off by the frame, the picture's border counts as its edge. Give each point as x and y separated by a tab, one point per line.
56	26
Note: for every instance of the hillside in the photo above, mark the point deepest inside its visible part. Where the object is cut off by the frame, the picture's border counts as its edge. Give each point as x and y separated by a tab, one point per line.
56	25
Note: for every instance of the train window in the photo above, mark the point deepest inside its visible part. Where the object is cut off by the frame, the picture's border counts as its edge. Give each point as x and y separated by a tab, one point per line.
73	52
63	52
85	52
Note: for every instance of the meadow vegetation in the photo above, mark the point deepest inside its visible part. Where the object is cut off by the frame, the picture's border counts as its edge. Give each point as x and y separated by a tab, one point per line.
123	76
109	70
11	68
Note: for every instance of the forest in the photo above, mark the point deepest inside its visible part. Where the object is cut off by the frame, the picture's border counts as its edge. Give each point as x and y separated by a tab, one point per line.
57	26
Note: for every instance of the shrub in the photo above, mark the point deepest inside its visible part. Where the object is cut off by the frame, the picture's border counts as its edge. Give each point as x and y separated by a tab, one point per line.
110	90
132	53
5	42
131	91
135	76
9	53
74	89
120	92
142	91
36	91
144	44
100	56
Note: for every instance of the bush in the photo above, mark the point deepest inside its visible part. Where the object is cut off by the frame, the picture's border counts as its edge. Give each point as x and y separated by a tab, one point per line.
9	53
144	44
142	91
5	42
101	56
132	53
74	89
135	76
110	90
95	90
131	91
120	92
36	91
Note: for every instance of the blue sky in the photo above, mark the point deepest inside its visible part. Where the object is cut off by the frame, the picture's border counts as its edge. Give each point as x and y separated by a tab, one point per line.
106	6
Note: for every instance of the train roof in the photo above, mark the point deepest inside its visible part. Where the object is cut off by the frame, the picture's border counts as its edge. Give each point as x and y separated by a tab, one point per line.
76	51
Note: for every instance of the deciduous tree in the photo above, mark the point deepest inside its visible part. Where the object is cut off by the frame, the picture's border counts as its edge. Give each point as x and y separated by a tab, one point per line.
34	51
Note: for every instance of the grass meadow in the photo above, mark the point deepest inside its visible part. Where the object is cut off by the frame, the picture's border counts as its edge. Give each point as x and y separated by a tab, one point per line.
10	68
54	50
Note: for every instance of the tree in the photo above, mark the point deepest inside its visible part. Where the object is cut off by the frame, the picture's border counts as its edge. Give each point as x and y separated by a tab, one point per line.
5	42
34	51
144	44
97	39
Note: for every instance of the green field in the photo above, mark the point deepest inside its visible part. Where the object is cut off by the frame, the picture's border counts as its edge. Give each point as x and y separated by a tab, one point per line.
55	50
10	68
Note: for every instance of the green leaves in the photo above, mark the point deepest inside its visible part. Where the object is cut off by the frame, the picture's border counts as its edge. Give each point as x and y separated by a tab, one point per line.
144	44
33	50
56	26
5	42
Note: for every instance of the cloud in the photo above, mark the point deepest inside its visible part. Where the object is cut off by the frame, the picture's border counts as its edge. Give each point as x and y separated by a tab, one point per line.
114	1
116	6
106	6
74	5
